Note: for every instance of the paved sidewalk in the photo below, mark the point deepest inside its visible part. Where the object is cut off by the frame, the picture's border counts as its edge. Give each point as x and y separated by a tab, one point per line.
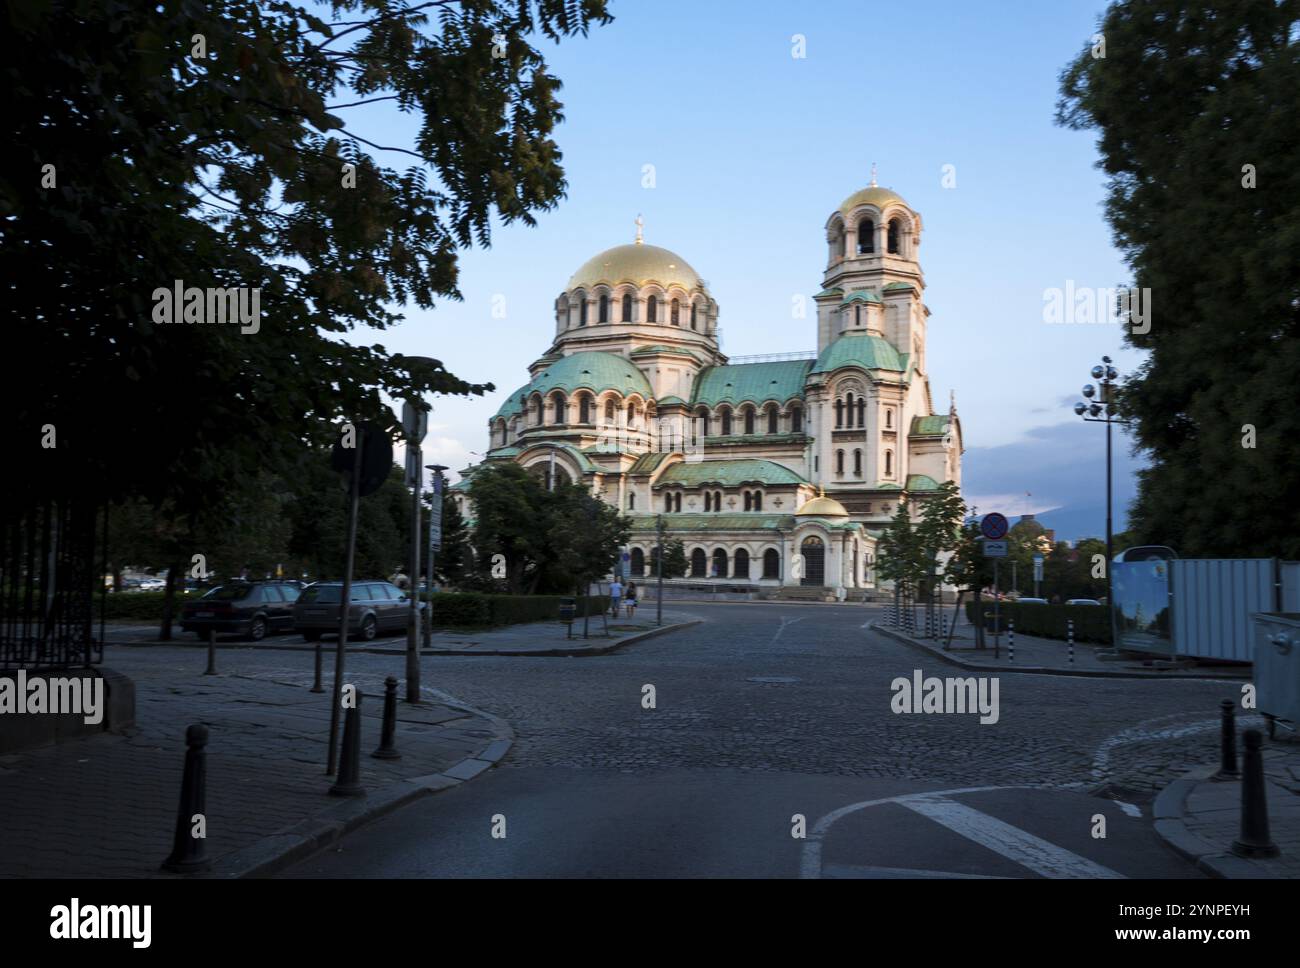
1033	654
105	806
1200	817
533	638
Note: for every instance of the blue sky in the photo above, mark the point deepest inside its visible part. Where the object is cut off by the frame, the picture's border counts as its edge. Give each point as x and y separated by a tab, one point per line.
753	149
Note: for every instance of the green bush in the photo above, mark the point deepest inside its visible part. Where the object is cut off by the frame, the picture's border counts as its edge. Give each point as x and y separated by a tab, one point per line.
460	609
1091	622
146	606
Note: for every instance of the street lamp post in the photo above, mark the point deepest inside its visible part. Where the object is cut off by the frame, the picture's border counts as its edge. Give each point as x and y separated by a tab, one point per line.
435	543
1101	409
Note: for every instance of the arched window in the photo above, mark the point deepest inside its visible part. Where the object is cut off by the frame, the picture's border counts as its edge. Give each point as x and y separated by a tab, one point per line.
840	241
668	503
740	567
850	409
638	563
719	563
652	310
796	420
632	414
582	311
699	563
839	462
857	463
773	418
537	410
758	500
677	501
692	315
631	500
866	236
862	411
703	417
609	411
603	316
726	422
749	420
889	418
627	307
894	229
501	427
771	563
675	313
558	402
584	409
717	500
839	414
708	500
889	463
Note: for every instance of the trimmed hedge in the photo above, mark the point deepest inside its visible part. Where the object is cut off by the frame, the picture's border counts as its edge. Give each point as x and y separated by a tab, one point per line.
1091	622
147	606
479	609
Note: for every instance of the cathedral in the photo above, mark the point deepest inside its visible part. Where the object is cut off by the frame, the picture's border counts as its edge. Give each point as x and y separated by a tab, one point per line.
776	472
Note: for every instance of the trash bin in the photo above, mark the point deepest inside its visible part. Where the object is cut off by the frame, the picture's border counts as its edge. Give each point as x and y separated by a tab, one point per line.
1277	668
568	609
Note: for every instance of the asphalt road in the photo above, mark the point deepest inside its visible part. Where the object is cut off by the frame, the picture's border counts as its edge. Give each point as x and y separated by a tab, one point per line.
772	749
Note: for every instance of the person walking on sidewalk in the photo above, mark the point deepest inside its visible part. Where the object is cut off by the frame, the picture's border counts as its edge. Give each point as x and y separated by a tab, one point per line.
629	599
615	596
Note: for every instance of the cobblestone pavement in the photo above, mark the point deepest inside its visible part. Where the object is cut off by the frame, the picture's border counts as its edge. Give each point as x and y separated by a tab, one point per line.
105	806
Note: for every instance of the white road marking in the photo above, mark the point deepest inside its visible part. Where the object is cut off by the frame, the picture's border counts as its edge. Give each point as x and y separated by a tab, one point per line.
850	871
1040	856
784	622
1131	809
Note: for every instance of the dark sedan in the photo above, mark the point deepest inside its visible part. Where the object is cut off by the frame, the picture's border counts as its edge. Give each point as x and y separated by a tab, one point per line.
378	607
250	609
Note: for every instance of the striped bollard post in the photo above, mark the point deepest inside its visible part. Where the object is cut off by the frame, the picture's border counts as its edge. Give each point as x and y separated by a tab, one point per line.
1069	634
1011	640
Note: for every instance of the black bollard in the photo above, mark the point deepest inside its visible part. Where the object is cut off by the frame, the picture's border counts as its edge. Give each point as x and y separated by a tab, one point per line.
189	853
1254	840
349	781
212	653
387	748
316	686
1228	740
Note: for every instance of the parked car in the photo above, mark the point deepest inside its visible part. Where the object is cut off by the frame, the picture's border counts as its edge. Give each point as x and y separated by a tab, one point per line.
152	584
378	607
1031	601
1083	601
251	609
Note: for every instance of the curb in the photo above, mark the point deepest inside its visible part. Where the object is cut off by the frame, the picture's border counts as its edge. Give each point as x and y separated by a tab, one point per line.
286	847
951	659
571	652
1169	810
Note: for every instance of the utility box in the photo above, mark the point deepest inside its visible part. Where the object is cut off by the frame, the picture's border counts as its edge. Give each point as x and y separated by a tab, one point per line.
1277	668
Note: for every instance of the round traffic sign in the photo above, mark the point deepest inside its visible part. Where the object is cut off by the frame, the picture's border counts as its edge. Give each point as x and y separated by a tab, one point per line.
994	526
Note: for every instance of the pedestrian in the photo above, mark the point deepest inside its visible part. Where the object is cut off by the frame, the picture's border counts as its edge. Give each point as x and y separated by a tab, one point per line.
629	599
615	595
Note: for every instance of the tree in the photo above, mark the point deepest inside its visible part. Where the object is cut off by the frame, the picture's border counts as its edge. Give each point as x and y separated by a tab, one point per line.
511	511
204	145
1195	110
675	563
938	533
454	558
585	534
899	555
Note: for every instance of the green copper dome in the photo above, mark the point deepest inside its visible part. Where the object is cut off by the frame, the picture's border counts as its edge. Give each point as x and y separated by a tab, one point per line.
592	371
868	352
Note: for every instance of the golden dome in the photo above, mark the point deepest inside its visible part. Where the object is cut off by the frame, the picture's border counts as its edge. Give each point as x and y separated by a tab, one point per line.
638	264
872	195
822	507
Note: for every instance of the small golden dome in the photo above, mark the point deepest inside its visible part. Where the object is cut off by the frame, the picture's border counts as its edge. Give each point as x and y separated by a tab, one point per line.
638	264
822	507
872	195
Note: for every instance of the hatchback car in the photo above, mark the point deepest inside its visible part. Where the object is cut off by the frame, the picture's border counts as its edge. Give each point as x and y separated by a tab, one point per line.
251	609
1083	601
378	607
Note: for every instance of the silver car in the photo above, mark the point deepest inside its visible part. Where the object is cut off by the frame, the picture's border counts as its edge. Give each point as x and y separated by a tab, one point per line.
377	608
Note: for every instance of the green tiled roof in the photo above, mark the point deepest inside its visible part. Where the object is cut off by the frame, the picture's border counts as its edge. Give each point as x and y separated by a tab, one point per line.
862	296
886	486
894	286
829	292
753	382
646	463
504	452
729	473
511	405
921	482
933	426
868	352
709	521
759	437
670	400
